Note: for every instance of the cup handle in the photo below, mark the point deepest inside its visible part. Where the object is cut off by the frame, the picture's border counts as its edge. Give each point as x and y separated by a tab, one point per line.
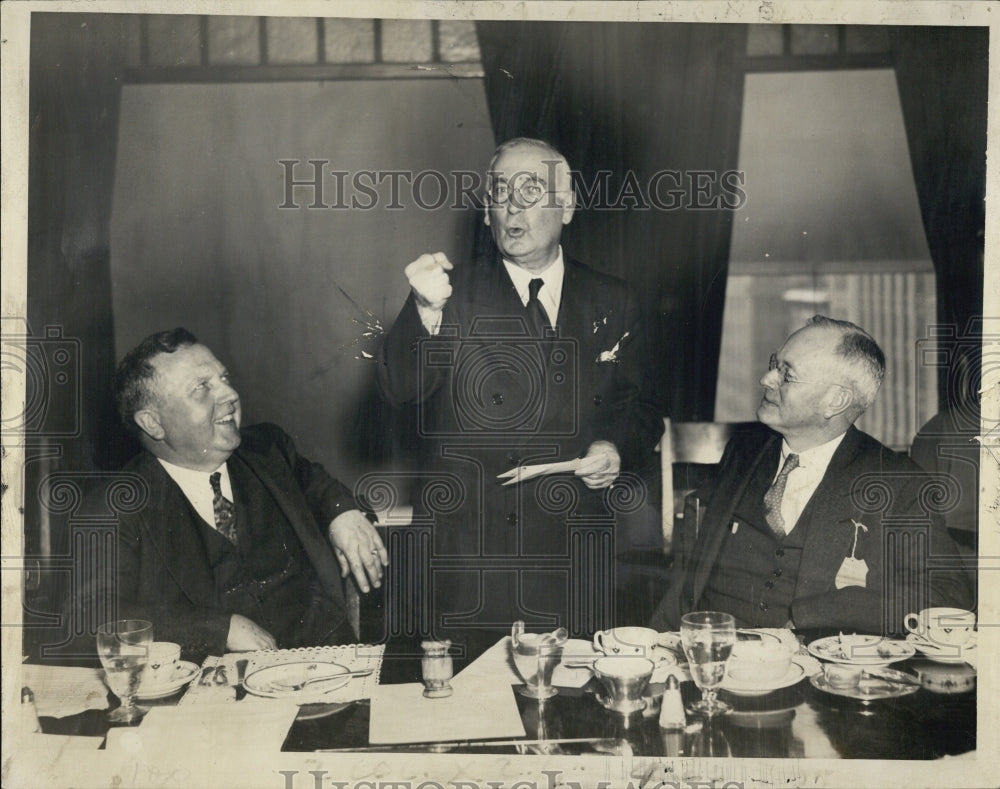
599	640
912	623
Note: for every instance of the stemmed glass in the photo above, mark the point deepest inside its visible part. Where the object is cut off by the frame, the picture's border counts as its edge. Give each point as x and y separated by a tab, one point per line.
123	647
708	638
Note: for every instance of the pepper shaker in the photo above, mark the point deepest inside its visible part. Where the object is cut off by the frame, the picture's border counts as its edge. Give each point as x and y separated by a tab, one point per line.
672	708
437	669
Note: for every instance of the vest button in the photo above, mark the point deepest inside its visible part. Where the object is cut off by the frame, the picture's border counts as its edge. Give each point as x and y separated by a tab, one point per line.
780	552
598	399
777	572
498	399
769	584
762	605
511	519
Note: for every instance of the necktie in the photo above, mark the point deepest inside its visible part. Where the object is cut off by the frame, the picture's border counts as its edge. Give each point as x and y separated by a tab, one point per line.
536	312
772	499
225	512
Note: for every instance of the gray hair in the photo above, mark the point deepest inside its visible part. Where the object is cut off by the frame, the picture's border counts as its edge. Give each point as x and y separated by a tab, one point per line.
861	354
530	142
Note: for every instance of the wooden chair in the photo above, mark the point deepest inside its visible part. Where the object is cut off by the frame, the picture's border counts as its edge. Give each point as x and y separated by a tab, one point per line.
689	456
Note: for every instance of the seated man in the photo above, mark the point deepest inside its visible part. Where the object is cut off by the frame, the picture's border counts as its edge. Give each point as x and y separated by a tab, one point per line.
230	550
811	523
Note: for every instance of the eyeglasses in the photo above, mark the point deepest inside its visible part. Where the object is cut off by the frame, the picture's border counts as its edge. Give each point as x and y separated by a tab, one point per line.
524	196
782	368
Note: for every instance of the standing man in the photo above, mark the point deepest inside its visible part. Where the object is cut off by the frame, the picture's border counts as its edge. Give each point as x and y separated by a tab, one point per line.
811	523
527	357
237	545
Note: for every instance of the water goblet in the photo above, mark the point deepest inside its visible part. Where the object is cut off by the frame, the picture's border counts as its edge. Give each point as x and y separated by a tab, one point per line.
123	647
708	638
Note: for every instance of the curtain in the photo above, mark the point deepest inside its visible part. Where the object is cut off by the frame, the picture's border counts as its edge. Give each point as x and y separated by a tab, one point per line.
631	101
942	76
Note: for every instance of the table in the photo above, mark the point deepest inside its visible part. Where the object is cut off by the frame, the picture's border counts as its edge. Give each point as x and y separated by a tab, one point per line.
796	722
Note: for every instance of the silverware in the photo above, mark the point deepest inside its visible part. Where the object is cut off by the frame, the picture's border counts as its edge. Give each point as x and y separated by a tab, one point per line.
891	675
314	680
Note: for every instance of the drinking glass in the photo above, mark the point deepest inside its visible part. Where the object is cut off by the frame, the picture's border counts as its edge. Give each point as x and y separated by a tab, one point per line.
708	638
123	647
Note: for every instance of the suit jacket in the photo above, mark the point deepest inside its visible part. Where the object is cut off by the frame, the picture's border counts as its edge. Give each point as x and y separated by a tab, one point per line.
163	574
865	482
489	396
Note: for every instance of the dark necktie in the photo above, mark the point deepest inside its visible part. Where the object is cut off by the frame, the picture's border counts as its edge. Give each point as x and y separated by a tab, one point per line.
772	499
225	512
536	312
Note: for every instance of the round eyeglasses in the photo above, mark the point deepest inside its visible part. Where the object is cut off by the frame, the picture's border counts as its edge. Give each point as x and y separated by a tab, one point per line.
524	195
782	368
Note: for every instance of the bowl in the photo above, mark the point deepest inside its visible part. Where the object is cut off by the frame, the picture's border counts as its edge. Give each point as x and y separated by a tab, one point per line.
760	661
842	676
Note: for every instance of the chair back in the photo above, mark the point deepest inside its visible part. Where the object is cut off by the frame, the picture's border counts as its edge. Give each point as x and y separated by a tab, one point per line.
689	456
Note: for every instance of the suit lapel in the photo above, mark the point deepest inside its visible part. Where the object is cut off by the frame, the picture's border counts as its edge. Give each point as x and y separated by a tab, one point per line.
827	520
730	489
173	532
299	516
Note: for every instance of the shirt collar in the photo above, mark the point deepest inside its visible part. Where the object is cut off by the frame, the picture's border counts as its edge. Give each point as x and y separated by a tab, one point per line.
188	478
817	457
552	277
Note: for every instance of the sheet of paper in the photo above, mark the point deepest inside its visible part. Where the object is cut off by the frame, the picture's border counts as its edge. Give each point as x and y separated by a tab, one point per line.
168	731
478	709
65	690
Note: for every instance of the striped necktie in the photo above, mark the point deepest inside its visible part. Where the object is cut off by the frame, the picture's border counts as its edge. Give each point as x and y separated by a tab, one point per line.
225	512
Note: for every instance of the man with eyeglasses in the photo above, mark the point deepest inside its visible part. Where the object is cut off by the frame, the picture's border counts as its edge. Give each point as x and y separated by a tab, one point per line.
525	357
811	523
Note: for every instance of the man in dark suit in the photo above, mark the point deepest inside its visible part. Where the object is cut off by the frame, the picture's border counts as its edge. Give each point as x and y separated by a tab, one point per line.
237	545
811	523
526	357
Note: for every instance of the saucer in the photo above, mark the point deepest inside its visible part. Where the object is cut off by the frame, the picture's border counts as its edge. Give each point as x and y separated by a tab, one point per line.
942	653
184	672
856	650
869	689
796	672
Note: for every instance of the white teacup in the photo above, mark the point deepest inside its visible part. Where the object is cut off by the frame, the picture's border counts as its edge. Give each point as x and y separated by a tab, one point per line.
760	661
626	641
161	663
952	626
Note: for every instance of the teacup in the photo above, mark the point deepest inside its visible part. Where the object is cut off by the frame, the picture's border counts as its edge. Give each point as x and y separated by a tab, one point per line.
626	641
161	662
842	675
952	626
760	661
624	680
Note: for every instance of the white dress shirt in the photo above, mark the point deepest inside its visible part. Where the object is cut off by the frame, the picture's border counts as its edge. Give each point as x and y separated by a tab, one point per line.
197	489
804	479
550	294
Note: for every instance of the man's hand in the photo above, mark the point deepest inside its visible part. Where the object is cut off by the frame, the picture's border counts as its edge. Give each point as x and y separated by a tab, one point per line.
246	636
428	276
359	549
600	465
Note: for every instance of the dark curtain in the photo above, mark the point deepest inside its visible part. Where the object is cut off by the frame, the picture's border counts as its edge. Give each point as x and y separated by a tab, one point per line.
75	89
942	76
632	100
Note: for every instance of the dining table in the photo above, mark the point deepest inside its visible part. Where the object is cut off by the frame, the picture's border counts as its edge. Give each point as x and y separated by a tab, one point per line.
799	720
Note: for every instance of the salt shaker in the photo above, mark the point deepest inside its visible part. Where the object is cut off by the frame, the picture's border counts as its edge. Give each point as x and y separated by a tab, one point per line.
29	713
672	708
437	669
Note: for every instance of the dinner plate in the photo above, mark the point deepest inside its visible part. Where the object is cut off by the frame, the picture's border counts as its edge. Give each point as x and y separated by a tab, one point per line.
942	653
869	689
858	650
795	674
280	681
184	672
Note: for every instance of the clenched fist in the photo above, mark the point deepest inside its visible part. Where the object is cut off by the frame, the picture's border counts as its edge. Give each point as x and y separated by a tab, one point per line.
428	277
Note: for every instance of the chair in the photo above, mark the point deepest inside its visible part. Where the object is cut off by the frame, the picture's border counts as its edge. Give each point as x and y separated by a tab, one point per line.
689	457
